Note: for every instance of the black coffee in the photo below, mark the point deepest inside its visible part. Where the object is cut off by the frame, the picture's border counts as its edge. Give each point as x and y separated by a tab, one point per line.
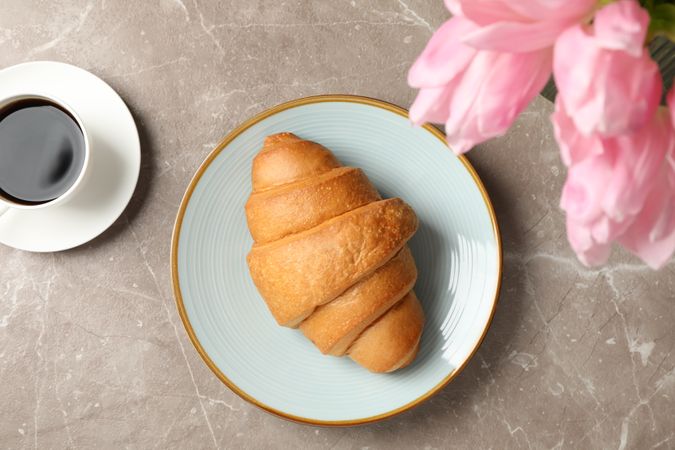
42	151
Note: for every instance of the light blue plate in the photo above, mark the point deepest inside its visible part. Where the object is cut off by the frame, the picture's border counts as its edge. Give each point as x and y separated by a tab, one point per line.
457	250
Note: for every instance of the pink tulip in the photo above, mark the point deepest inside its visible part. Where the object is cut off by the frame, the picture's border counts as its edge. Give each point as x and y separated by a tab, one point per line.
477	93
606	82
482	68
619	189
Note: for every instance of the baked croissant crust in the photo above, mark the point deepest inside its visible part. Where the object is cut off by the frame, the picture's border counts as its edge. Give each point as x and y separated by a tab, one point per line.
330	256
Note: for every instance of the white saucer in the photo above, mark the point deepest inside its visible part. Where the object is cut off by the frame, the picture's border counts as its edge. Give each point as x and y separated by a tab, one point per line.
113	172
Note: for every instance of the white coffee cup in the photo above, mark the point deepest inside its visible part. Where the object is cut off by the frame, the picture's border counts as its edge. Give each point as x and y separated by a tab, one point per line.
7	203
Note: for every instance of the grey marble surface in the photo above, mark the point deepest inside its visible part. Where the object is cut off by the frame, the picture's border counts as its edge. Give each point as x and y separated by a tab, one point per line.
93	354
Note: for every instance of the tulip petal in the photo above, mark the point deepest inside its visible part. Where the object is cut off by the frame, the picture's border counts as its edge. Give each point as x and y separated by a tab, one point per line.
523	25
574	146
664	224
589	252
606	230
582	193
514	36
604	91
671	105
455	7
431	105
652	235
557	10
638	159
623	26
633	92
486	12
444	56
493	91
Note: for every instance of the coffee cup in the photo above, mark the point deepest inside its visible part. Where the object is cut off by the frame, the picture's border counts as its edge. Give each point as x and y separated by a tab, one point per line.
44	152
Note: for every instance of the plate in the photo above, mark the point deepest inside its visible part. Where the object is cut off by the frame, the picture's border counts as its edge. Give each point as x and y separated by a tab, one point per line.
457	250
113	171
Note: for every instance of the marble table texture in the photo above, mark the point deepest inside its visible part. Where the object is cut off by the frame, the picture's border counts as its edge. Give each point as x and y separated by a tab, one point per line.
93	353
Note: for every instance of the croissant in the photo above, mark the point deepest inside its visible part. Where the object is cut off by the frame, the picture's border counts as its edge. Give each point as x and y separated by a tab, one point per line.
330	255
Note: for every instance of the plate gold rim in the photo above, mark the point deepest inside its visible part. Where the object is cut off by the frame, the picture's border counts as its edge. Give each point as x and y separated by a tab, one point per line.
179	221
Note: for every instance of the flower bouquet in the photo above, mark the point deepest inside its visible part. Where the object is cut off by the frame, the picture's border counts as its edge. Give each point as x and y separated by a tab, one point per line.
482	67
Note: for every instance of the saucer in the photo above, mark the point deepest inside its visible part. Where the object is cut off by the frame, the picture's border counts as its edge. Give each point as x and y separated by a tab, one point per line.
115	165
